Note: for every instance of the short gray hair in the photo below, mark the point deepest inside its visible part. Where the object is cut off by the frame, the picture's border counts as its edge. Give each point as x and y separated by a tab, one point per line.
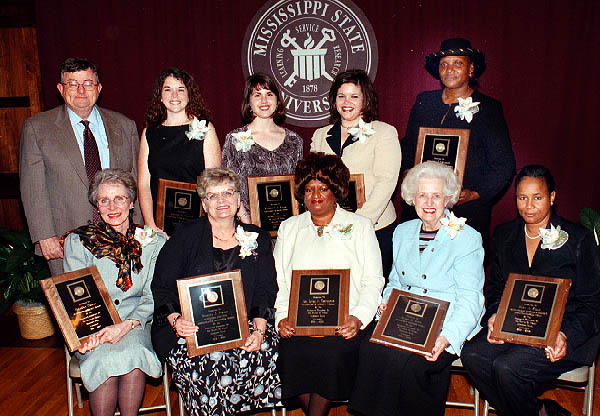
431	169
214	177
113	176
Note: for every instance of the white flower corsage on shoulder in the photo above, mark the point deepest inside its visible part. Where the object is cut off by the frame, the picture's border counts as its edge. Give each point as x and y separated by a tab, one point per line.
553	237
198	129
339	231
247	242
242	140
453	224
145	235
466	108
362	132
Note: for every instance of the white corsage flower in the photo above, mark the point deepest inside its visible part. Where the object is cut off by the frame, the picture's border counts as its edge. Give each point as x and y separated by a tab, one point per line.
363	131
144	235
466	108
453	225
553	237
247	242
198	129
339	231
243	140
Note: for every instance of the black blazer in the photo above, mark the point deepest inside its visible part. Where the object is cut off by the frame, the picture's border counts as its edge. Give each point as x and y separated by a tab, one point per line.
578	259
189	253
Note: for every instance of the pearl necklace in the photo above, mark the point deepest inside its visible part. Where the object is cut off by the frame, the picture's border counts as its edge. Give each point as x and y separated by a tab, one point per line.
535	237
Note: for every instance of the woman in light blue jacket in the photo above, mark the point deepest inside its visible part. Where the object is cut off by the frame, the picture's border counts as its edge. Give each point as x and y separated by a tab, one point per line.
439	256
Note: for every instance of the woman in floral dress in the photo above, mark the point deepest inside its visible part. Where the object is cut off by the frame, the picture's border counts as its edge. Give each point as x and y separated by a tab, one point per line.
219	383
262	147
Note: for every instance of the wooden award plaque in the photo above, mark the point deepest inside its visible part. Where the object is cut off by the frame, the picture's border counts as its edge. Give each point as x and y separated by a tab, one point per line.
410	322
319	301
80	303
531	310
272	201
446	146
177	202
215	303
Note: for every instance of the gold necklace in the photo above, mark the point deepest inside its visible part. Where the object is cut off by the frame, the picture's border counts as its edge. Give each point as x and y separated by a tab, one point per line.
224	239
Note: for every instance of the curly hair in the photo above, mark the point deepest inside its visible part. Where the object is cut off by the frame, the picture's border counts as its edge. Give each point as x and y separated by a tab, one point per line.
156	113
360	78
256	82
328	169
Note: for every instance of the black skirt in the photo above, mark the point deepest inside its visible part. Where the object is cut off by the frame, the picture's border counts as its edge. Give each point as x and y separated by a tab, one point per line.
323	365
390	381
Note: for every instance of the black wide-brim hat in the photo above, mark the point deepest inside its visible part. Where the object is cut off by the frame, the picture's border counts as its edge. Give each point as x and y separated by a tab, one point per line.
455	47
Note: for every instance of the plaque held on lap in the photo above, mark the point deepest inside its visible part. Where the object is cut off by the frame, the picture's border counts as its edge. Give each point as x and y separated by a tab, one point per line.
215	304
531	310
319	301
81	304
410	322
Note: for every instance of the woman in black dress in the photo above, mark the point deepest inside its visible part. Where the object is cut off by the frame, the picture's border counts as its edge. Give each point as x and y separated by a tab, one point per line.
219	383
179	140
490	162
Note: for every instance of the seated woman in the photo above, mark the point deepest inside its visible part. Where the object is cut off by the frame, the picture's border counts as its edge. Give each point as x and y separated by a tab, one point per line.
508	375
235	380
115	361
319	370
436	255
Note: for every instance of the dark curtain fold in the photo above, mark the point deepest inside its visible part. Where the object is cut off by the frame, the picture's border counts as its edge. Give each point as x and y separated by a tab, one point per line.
539	58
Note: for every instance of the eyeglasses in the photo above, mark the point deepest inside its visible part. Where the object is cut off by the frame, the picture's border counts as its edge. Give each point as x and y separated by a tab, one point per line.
215	196
74	85
119	201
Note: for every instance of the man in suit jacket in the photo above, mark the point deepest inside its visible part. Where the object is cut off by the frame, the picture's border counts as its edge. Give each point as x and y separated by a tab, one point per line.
54	183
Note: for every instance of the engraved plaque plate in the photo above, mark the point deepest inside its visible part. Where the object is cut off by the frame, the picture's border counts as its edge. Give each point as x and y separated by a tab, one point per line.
446	146
319	301
177	202
531	310
215	303
410	322
80	303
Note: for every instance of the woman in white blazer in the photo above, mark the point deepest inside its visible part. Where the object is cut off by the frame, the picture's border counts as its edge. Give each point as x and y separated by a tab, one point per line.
438	256
318	370
367	146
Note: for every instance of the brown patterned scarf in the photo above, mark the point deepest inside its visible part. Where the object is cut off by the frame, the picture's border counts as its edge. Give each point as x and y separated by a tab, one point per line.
103	241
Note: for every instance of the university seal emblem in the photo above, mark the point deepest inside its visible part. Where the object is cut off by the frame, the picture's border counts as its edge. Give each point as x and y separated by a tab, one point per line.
304	44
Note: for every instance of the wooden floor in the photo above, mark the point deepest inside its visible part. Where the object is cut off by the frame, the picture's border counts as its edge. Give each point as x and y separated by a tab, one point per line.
32	376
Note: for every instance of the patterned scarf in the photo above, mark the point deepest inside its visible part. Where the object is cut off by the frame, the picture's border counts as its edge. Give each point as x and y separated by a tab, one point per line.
103	241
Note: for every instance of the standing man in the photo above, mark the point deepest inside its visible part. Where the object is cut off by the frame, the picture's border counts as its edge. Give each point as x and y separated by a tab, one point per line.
61	151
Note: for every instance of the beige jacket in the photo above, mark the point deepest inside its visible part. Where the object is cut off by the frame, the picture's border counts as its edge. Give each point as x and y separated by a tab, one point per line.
378	159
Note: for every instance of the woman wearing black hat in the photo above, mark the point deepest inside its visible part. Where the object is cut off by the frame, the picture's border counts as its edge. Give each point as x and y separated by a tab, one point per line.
490	162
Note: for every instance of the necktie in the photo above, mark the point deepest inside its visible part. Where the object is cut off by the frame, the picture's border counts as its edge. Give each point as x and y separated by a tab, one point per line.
91	156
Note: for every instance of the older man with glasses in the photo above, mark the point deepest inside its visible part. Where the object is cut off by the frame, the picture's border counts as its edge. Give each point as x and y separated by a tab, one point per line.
61	151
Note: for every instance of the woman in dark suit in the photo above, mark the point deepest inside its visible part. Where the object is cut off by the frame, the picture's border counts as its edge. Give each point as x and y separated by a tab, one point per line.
235	380
490	162
540	243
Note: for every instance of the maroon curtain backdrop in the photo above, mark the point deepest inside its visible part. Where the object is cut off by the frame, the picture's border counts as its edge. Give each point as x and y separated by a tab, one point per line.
539	57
